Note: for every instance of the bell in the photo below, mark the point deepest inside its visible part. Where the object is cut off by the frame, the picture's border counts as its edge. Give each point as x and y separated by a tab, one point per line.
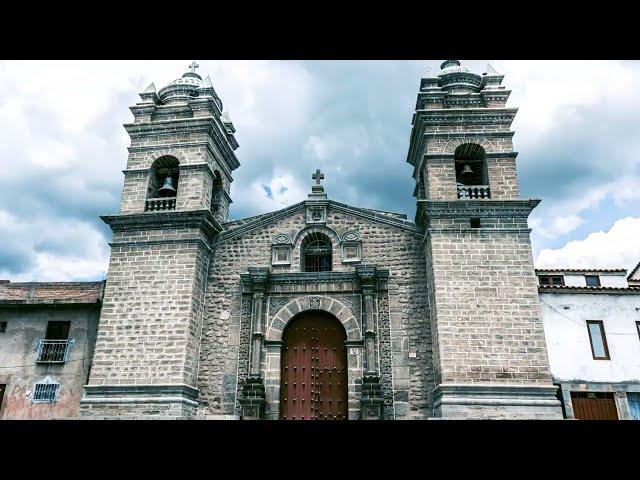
167	189
466	170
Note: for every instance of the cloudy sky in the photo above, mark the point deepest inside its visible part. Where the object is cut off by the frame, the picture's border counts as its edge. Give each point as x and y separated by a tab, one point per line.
63	148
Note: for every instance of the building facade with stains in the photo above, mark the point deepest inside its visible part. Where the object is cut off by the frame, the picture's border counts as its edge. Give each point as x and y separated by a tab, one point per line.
321	310
47	335
592	325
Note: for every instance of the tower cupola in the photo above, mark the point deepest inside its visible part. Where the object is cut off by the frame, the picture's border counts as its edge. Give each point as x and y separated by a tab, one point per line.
457	79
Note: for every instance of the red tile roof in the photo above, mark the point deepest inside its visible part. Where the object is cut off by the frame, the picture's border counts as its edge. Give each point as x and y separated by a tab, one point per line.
50	292
569	288
633	272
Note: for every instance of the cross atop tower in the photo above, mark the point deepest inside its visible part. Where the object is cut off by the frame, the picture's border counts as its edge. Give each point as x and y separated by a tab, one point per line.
193	67
318	176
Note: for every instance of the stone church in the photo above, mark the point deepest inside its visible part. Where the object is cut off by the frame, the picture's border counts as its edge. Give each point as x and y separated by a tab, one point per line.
322	310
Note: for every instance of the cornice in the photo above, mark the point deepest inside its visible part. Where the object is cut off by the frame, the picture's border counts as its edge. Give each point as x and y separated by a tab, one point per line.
206	124
480	208
559	289
340	207
203	219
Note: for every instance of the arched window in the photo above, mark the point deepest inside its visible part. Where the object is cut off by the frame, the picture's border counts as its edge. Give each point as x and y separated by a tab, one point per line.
471	171
163	184
216	193
315	253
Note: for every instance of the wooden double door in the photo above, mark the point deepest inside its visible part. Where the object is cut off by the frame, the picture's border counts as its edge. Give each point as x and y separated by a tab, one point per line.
594	406
314	369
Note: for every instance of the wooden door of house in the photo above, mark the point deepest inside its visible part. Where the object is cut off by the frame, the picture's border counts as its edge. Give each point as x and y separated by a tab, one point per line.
594	406
314	369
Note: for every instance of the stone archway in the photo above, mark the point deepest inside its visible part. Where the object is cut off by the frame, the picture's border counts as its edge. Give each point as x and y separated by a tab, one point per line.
314	302
314	381
277	323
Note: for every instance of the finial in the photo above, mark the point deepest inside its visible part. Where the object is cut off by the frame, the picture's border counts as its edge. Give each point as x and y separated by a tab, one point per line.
429	71
491	70
193	67
317	189
449	63
206	83
318	176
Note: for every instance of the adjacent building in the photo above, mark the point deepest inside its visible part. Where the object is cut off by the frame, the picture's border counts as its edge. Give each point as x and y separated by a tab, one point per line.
592	328
47	336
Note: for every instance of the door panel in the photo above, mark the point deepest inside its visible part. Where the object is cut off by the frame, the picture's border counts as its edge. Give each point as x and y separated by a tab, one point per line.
314	369
634	405
594	406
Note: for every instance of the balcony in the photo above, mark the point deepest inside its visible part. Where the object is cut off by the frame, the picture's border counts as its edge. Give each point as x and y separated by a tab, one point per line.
53	351
473	191
158	204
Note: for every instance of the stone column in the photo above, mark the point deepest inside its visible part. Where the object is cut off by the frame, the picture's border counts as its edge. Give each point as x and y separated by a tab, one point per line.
371	400
253	397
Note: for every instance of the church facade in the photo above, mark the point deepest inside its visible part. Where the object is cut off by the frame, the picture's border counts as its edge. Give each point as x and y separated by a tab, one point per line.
322	310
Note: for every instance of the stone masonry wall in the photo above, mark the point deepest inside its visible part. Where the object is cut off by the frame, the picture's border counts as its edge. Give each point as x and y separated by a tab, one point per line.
485	295
151	312
386	246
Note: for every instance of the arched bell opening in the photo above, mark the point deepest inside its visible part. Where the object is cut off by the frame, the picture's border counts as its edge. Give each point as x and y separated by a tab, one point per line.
162	191
472	178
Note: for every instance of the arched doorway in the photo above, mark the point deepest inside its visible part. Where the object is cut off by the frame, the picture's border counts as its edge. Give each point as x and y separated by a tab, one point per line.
314	369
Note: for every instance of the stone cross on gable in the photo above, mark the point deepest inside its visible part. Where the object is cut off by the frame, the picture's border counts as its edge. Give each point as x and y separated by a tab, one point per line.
193	67
317	176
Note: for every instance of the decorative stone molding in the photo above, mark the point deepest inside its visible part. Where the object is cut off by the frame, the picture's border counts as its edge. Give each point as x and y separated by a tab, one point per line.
451	145
351	247
313	302
478	208
324	229
281	250
496	401
253	399
367	275
316	212
371	401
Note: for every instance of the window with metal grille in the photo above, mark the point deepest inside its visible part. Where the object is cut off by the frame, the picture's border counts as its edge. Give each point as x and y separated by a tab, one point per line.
55	346
45	392
551	280
316	253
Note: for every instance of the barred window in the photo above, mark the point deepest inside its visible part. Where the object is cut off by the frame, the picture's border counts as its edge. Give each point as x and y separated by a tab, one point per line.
45	392
556	280
316	253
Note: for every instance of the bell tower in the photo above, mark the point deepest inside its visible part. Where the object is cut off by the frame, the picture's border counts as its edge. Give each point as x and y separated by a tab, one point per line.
175	200
489	353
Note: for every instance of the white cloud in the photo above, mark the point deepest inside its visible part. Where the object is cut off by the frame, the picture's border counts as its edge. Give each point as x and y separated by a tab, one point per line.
62	146
617	248
61	251
545	88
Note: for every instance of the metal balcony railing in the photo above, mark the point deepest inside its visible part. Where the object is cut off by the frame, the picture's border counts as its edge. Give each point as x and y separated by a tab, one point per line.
157	204
474	191
53	351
